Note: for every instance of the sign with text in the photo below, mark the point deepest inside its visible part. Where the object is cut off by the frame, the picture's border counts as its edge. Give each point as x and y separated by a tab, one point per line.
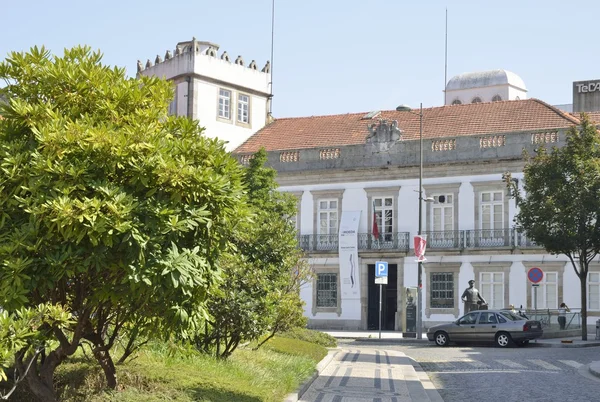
348	252
381	280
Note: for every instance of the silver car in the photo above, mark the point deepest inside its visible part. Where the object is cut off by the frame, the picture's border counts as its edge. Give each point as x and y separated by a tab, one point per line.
500	326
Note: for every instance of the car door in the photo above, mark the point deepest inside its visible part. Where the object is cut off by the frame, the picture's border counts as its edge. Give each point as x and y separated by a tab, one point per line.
487	326
465	327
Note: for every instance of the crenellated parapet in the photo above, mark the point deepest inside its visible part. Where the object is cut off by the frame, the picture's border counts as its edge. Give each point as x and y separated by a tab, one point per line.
200	48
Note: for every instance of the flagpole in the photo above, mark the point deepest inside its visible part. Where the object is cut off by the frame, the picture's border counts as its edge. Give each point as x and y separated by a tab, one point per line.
420	269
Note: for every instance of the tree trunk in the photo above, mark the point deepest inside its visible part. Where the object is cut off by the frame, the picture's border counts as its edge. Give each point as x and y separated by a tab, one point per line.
42	385
108	366
583	281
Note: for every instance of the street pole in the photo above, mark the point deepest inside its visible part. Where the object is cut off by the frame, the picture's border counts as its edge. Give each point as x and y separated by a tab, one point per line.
420	271
380	293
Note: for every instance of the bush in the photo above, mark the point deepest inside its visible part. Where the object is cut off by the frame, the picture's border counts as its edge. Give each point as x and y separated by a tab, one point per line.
310	335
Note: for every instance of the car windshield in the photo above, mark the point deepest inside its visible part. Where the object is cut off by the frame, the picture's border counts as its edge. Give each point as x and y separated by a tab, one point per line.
511	316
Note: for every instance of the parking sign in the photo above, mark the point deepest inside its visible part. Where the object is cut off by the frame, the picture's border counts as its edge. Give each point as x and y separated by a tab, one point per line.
381	268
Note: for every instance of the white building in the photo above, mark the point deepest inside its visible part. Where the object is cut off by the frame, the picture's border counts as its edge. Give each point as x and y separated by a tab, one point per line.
229	98
485	86
348	170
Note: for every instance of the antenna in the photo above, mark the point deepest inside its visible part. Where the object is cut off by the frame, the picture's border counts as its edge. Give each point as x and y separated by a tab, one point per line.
272	45
445	60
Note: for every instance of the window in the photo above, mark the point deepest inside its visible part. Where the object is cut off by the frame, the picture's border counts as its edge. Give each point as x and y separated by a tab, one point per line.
470	318
492	212
594	291
488	318
442	290
492	288
476	99
443	213
384	213
547	293
224	104
496	98
328	217
456	102
327	291
243	109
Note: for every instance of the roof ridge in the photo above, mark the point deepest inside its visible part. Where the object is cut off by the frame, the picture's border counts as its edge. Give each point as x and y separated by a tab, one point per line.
556	110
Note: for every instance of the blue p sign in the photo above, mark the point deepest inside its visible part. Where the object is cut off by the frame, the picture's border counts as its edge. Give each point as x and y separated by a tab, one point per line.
381	268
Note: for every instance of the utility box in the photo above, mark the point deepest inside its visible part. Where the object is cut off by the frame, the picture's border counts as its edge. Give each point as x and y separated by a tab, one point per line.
597	329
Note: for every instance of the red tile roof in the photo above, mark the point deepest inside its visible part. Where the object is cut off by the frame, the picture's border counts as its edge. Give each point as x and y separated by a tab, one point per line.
438	122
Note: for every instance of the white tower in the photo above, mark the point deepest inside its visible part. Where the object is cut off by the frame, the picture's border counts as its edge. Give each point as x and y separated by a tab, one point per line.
229	98
485	86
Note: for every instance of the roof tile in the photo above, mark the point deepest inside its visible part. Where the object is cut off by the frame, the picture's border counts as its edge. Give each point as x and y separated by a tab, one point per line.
438	122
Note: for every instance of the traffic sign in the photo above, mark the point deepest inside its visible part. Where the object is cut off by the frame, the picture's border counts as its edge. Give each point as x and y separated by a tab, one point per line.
381	268
535	275
381	280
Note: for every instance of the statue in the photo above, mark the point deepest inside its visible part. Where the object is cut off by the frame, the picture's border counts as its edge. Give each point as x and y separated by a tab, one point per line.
472	298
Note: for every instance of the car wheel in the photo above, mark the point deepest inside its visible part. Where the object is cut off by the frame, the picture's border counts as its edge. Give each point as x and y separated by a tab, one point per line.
503	339
523	343
441	338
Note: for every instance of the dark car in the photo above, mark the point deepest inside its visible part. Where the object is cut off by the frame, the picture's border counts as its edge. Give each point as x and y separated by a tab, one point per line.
500	326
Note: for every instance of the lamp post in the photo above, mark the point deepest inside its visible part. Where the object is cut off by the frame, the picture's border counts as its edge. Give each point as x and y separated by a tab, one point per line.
405	108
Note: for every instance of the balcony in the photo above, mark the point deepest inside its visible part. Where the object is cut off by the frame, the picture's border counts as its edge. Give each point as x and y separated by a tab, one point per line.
481	239
387	241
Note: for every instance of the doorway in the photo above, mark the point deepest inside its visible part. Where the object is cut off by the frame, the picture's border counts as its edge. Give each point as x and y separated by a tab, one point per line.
389	299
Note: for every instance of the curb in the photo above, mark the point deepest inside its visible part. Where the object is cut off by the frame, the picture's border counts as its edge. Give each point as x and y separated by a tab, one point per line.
295	396
564	345
594	368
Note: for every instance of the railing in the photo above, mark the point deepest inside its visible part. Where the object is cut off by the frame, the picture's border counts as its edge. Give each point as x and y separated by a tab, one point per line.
549	318
523	241
386	241
489	238
436	240
445	239
366	241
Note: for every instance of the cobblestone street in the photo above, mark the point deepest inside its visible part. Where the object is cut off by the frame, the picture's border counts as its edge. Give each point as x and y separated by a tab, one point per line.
489	374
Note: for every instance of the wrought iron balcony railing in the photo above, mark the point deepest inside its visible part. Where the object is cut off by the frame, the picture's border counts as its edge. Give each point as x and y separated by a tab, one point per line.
436	240
366	241
489	238
446	239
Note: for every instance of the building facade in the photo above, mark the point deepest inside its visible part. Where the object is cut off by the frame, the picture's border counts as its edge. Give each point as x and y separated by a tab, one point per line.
349	171
230	99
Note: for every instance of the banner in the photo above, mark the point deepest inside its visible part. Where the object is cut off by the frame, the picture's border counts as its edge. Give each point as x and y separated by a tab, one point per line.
348	253
420	244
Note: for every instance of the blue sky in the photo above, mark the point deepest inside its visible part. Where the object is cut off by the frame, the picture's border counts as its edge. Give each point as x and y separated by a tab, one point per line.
334	56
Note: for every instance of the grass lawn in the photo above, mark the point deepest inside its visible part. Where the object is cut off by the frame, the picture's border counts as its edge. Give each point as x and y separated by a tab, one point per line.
164	372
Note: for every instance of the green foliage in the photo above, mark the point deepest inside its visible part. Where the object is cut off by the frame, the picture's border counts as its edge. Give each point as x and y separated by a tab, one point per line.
561	205
297	347
108	206
312	336
168	371
263	271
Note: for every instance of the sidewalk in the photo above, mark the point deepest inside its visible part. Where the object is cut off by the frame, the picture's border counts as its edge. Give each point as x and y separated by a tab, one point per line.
369	374
396	337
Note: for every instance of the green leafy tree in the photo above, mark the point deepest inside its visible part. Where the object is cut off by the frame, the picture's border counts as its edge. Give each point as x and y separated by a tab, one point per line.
561	204
263	271
108	206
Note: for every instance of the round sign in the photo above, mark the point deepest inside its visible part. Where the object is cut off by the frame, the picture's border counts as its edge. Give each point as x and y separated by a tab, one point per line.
535	275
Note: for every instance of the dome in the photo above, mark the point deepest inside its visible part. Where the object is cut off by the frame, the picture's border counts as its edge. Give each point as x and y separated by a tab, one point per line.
485	79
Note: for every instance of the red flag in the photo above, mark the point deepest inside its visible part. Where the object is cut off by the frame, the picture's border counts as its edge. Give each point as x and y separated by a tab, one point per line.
420	243
375	230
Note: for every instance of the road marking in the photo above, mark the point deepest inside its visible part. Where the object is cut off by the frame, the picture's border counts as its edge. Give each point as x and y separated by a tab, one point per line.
543	364
511	364
571	363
